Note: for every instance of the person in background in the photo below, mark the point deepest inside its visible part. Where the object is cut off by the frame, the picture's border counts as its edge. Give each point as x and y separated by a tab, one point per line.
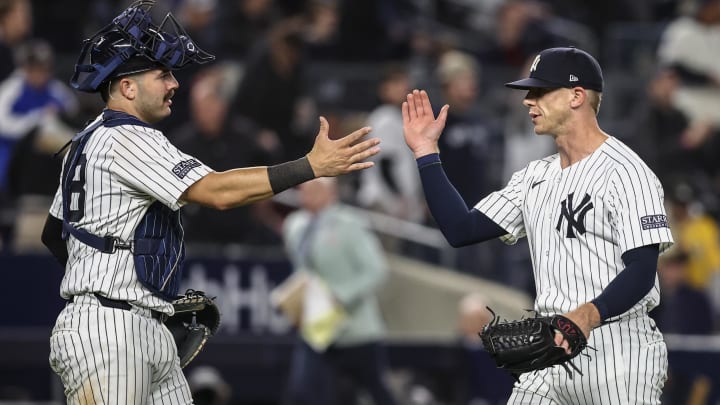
690	47
484	383
33	106
657	126
208	386
698	234
243	24
224	141
473	143
15	25
31	97
394	188
330	242
683	310
271	91
199	18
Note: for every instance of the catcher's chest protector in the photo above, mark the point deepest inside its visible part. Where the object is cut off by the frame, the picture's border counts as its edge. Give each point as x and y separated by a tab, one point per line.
159	251
157	246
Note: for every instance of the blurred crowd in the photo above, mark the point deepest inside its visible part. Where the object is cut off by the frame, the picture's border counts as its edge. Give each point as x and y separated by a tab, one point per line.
282	63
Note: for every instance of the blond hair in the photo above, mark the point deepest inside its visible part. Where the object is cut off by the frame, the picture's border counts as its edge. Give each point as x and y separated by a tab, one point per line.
595	99
454	63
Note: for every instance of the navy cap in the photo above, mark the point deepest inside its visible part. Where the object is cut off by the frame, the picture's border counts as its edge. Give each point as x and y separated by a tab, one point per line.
562	67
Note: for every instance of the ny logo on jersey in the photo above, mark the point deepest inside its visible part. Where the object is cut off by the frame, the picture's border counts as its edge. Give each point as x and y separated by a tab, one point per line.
575	216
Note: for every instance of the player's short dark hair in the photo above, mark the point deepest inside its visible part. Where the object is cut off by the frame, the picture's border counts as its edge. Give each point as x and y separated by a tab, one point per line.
107	86
105	91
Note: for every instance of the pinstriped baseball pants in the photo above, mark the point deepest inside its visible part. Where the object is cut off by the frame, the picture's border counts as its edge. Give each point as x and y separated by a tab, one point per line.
628	367
114	356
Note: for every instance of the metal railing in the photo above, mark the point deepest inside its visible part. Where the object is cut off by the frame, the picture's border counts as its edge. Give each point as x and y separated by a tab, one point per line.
393	227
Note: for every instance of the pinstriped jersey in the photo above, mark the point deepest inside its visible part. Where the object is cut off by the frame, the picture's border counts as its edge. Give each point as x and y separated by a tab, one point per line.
580	220
127	166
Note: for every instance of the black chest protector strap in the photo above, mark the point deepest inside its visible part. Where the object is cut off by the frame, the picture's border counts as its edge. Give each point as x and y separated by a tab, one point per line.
105	244
68	174
157	246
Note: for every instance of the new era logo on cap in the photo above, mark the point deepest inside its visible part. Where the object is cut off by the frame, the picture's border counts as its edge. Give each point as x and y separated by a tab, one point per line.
562	67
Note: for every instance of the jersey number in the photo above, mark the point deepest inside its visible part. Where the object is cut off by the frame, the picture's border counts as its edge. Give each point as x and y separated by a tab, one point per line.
77	191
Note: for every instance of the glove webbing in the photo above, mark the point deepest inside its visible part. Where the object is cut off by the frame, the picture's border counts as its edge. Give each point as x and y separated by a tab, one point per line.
516	338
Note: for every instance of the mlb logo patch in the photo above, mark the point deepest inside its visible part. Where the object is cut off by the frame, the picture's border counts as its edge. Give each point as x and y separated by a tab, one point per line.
183	168
654	222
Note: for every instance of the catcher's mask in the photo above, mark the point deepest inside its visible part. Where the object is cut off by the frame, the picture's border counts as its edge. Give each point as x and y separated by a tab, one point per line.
132	43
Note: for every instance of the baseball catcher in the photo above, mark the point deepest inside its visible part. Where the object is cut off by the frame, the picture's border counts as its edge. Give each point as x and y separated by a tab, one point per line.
116	225
196	319
529	344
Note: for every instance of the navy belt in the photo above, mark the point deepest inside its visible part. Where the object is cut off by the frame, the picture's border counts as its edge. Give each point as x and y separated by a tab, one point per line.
124	305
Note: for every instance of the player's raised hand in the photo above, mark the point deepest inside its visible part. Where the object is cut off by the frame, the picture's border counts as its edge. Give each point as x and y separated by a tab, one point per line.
330	157
420	127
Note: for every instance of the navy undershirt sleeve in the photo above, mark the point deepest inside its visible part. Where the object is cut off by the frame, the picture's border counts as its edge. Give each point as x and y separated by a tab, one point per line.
460	225
631	284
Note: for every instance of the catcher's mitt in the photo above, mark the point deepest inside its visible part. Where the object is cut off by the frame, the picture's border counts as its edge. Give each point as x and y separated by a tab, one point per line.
196	319
529	344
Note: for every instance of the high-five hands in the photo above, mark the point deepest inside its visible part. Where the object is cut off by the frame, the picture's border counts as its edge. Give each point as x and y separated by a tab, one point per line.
330	157
420	128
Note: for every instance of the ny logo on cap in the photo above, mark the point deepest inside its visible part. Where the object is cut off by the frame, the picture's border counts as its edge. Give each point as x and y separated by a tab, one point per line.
533	67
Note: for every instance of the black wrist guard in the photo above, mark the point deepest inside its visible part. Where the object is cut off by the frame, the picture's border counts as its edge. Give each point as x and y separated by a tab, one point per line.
289	174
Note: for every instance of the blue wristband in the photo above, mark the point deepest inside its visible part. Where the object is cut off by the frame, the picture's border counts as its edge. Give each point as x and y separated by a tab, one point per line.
428	160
